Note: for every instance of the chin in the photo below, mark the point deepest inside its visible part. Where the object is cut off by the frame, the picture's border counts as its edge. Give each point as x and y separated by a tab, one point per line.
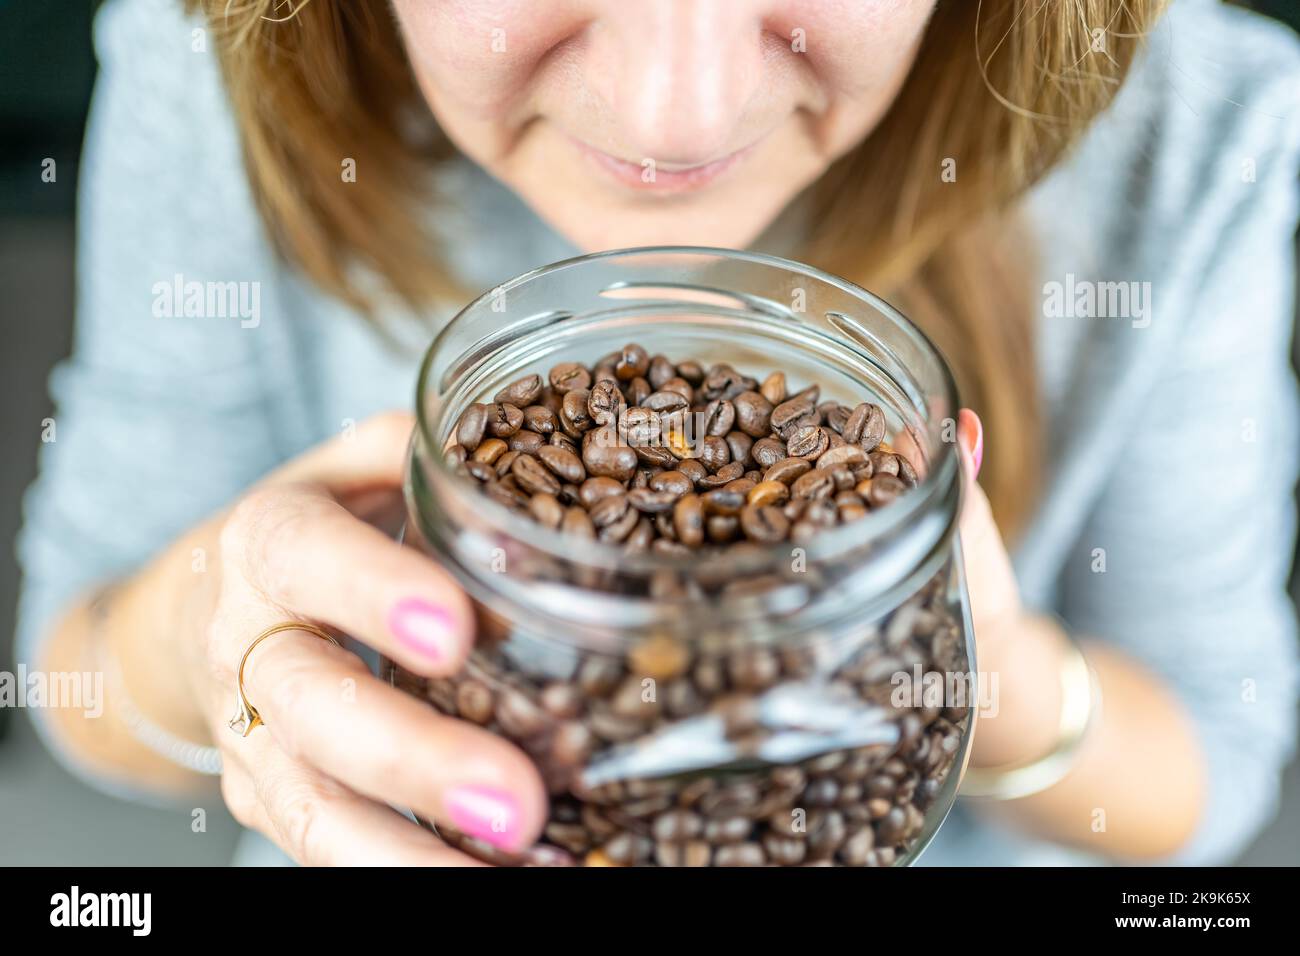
620	225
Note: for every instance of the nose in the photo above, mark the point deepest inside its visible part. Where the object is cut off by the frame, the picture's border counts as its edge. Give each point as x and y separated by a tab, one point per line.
679	75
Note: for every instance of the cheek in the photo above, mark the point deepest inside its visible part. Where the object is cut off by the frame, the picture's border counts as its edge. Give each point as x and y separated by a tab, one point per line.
481	54
855	46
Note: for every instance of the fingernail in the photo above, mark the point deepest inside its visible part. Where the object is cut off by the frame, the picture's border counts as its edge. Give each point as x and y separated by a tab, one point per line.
974	429
485	814
423	627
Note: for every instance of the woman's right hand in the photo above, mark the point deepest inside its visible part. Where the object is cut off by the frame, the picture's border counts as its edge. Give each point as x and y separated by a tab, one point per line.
338	745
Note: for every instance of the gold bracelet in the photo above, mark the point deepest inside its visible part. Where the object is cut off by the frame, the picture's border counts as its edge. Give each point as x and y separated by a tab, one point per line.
1080	707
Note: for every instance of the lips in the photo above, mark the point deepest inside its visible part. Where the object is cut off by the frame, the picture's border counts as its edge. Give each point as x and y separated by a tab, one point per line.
661	178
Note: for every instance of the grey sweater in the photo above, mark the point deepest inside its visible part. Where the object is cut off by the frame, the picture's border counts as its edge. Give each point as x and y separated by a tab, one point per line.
1167	525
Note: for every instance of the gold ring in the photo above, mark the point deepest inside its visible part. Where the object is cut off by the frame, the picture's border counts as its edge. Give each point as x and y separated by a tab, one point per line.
247	717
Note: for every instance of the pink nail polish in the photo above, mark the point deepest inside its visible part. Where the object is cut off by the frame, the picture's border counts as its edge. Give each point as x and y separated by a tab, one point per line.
423	627
486	814
972	423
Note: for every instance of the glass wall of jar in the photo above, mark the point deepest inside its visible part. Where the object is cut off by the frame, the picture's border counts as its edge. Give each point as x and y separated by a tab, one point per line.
801	702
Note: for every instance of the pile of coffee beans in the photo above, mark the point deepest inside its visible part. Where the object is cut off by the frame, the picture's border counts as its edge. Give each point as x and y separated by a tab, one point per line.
677	459
671	458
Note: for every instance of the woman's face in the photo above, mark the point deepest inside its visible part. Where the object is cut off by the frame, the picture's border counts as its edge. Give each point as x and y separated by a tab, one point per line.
643	122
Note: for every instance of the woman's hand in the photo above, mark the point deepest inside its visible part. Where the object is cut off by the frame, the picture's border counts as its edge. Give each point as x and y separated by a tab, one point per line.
1019	655
338	744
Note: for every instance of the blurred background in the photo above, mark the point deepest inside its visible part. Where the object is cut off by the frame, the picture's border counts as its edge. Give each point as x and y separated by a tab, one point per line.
48	817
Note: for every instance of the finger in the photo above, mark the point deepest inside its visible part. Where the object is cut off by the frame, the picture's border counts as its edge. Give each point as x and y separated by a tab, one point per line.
320	822
324	708
304	551
372	454
990	578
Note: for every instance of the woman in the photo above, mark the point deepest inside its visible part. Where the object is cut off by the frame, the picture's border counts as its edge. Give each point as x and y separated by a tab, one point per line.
965	160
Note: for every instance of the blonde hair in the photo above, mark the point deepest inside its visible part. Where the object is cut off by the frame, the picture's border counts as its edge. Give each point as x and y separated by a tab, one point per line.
919	212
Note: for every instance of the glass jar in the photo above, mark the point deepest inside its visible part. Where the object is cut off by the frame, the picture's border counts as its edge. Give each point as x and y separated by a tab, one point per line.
778	705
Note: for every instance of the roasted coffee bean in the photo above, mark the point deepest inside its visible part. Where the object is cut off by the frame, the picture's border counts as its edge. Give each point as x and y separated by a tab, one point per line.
661	658
574	417
593	490
884	463
666	401
693	470
787	470
784	850
473	422
719	416
835	416
540	419
605	403
741	446
739	854
818	483
546	510
906	471
604	455
724	501
577	523
792	410
609	510
638	390
681	387
774	388
769	492
632	362
765	524
521	392
627	849
714	452
568	376
673	482
474	701
652	502
563	463
808	442
503	464
519	717
678	825
688	520
620	529
843	455
526	442
598	675
753	668
767	452
856	850
533	477
561	700
503	419
865	426
753	414
884	489
723	477
721	529
660	372
489	450
560	439
727	829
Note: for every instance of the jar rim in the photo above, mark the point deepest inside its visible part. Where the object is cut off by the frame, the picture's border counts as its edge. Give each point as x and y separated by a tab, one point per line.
938	476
